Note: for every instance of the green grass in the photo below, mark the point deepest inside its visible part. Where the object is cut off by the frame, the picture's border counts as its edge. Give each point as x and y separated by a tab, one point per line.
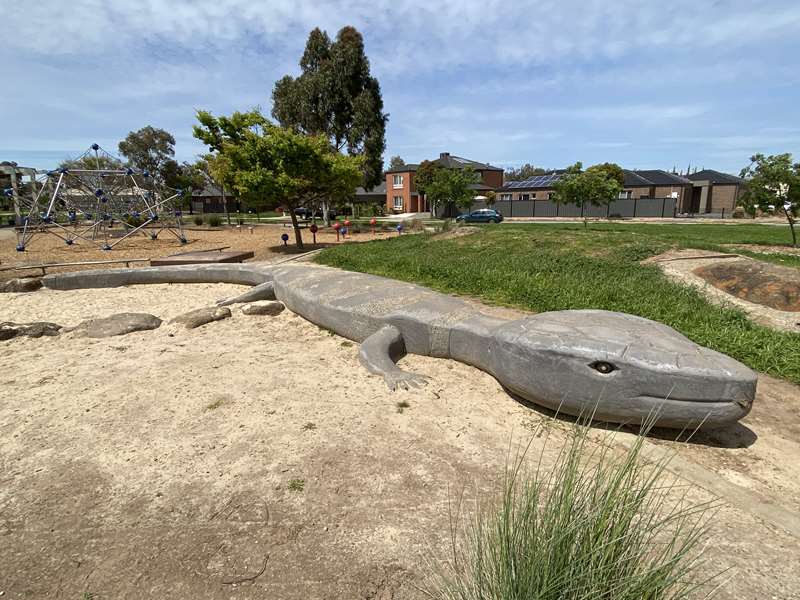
557	267
596	525
296	485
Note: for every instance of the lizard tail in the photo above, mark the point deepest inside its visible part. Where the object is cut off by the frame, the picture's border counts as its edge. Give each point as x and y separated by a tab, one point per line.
241	274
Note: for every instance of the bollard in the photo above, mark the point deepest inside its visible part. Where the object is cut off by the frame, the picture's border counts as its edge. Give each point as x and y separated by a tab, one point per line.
285	238
313	230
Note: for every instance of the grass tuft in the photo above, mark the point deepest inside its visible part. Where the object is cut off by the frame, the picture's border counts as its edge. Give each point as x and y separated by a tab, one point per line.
296	485
595	526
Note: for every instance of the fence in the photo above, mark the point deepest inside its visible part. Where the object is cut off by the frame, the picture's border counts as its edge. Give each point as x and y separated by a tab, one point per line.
627	208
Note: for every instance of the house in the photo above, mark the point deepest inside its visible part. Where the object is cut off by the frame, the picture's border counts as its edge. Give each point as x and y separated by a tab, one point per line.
714	192
212	199
402	195
636	184
376	195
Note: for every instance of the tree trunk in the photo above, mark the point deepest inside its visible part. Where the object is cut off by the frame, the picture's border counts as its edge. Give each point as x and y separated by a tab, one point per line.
325	217
298	238
790	218
225	206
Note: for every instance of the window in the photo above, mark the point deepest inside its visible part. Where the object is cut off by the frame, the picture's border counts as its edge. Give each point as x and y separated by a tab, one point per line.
398	203
625	195
524	197
505	197
397	181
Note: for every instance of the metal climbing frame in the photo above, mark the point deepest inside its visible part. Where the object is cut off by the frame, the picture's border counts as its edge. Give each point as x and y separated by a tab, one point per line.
85	204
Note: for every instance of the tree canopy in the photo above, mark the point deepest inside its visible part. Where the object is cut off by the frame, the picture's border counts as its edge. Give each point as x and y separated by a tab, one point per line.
336	96
772	183
152	150
597	186
276	166
396	162
526	171
441	185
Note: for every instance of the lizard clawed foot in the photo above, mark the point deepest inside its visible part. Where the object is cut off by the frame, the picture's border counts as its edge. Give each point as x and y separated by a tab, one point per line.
404	381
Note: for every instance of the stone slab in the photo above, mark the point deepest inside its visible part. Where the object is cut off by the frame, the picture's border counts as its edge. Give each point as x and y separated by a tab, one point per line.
194	258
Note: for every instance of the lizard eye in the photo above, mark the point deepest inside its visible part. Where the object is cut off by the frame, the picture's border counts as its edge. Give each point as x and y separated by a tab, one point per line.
603	367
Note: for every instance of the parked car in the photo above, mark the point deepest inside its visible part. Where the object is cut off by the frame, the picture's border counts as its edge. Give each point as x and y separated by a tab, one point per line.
484	215
307	213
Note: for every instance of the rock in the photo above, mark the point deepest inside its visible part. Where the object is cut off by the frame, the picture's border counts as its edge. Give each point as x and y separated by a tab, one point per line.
37	329
264	307
201	316
120	324
22	284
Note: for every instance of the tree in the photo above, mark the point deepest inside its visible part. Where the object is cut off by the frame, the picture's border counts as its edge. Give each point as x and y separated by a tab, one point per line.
596	186
336	96
491	198
423	178
396	162
773	182
526	171
449	185
276	165
151	150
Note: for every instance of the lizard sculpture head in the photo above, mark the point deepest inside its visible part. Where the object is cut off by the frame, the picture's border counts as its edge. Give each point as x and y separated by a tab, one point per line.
619	368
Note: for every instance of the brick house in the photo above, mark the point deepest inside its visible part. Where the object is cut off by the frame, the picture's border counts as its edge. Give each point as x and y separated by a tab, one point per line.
402	195
714	192
637	184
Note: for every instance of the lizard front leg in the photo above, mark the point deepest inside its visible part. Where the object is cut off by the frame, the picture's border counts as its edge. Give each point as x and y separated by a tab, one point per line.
378	354
264	291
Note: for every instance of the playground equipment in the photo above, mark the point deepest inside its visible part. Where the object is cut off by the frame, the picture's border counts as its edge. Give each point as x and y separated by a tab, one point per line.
85	204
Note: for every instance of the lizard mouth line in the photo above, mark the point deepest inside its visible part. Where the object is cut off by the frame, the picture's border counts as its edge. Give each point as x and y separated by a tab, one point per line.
666	399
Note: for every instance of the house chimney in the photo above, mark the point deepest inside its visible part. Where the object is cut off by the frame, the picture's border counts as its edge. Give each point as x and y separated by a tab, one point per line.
443	155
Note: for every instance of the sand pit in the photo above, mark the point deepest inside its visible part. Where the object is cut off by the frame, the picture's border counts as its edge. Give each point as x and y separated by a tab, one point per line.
165	463
767	293
264	240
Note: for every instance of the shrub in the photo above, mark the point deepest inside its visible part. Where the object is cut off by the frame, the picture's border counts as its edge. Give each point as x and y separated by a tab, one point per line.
413	225
214	221
593	526
198	220
738	212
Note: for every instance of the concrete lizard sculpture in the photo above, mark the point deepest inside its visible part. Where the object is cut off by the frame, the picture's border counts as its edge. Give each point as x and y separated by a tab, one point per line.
611	366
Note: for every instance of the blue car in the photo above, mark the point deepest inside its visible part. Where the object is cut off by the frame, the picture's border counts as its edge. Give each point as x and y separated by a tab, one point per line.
484	215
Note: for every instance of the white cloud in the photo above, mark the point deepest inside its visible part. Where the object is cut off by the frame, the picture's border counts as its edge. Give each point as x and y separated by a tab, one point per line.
404	34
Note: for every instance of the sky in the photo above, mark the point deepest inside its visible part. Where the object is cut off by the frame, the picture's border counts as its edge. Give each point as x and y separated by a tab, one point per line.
646	84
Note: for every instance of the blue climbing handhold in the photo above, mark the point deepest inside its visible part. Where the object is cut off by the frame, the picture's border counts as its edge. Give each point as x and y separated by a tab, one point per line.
98	192
95	147
145	173
129	171
20	247
68	242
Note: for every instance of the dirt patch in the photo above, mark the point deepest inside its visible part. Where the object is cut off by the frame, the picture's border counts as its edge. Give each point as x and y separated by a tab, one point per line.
753	286
458	232
169	462
765	249
264	240
761	283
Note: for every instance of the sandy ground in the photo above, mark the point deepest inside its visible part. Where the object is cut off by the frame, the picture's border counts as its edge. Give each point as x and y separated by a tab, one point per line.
680	265
264	240
159	464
